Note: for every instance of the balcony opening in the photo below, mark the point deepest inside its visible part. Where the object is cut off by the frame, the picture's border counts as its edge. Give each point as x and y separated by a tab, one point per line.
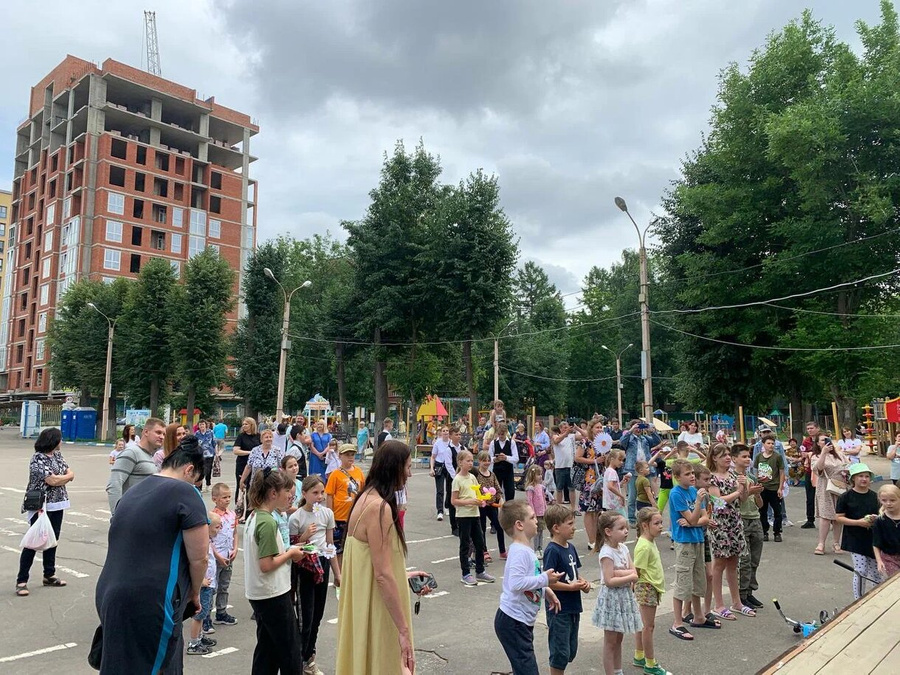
141	155
135	266
179	166
136	236
160	187
162	161
140	182
158	240
138	210
178	192
215	204
118	148
215	180
117	176
160	213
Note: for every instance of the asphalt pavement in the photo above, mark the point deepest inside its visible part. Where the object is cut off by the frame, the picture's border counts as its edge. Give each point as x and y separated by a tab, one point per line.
51	630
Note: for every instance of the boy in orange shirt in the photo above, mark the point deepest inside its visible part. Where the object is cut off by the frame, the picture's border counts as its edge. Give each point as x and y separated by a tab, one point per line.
344	485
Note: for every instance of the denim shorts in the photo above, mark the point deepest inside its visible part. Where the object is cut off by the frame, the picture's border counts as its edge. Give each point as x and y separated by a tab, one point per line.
562	638
563	479
206	599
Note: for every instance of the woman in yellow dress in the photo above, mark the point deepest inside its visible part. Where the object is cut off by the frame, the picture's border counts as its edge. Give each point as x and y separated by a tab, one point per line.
374	619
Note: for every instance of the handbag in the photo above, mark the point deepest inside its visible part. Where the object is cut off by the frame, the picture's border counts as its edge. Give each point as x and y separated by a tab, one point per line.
438	469
34	500
835	487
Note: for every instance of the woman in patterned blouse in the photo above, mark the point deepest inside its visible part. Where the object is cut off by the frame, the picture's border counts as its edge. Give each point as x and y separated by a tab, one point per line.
48	472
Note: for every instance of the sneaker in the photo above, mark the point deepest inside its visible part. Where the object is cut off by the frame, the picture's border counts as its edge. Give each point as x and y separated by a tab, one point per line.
310	668
639	663
808	525
788	523
208	642
753	601
503	555
540	554
765	536
224	620
198	649
656	670
493	531
778	537
469	580
208	627
440	516
484	576
454	532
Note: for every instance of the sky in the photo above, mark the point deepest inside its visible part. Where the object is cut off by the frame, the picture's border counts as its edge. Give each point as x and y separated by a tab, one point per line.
570	103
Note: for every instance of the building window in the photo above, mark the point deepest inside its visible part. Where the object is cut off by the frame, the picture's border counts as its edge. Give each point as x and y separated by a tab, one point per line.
3	212
107	280
42	322
118	148
63	261
48	240
116	175
196	245
114	231
51	214
159	213
115	203
45	294
176	243
67	208
2	229
135	266
176	266
112	260
215	228
214	247
39	349
136	235
178	217
215	180
45	267
158	240
39	377
215	204
198	222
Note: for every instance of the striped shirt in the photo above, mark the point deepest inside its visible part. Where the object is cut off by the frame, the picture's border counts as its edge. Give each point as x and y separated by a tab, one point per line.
131	467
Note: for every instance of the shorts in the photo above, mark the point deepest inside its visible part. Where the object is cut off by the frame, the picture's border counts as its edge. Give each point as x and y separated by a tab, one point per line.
646	594
562	638
690	571
340	531
563	479
206	599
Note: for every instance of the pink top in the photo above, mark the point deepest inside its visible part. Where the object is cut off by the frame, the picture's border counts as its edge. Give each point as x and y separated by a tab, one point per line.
535	496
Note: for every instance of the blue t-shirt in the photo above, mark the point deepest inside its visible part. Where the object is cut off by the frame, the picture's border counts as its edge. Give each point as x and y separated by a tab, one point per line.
219	430
564	560
683	499
320	441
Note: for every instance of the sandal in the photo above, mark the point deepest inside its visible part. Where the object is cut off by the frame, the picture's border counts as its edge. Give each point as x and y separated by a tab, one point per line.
710	622
681	633
724	614
820	550
54	581
838	550
22	590
745	610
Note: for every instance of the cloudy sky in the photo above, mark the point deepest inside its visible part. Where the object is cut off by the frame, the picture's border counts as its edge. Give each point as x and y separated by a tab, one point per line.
570	102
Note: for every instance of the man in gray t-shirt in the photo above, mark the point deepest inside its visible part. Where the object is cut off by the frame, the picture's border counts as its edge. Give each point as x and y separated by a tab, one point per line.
564	459
134	464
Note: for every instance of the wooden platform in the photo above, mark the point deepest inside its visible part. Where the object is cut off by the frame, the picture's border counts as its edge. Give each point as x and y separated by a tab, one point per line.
864	638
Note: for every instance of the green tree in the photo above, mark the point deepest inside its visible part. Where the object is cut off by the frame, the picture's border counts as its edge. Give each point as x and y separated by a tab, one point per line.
146	337
198	337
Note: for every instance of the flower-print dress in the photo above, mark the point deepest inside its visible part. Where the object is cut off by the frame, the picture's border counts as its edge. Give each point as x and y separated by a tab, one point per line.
587	501
727	539
616	609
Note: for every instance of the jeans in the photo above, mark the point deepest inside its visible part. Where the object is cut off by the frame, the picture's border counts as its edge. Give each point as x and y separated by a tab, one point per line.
517	640
223	581
470	533
491	513
26	559
751	555
277	638
312	607
770	499
632	498
810	499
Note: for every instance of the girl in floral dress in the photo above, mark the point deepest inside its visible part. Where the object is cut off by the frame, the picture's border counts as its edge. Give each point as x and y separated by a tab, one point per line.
727	538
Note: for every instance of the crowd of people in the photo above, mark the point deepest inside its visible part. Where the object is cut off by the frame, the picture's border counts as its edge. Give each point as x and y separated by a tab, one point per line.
311	517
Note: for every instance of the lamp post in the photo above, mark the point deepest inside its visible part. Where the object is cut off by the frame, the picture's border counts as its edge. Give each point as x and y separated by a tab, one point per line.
285	343
619	376
497	360
646	369
107	388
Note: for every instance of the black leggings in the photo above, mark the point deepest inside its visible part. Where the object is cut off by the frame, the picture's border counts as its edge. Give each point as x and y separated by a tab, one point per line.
207	469
470	533
492	513
810	499
27	557
770	498
277	638
505	476
312	607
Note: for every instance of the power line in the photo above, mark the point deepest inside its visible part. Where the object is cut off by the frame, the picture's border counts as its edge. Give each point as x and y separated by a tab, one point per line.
812	311
557	379
777	349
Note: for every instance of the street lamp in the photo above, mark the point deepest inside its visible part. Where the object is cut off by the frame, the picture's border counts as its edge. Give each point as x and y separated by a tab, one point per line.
497	360
107	389
646	369
618	376
285	343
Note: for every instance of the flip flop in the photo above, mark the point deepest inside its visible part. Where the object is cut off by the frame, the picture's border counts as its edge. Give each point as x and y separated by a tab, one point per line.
819	551
745	610
688	618
708	623
681	633
54	581
724	614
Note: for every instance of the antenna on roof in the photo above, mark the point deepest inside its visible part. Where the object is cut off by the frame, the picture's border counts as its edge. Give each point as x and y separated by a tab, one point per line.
152	43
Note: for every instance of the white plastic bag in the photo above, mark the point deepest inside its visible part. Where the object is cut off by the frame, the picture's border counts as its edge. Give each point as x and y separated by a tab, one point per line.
40	535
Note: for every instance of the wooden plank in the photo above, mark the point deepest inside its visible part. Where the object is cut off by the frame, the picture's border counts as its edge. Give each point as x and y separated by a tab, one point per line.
888	665
811	655
868	649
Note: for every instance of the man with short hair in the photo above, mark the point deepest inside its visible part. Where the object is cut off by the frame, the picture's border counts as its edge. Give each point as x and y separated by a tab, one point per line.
134	464
385	434
639	444
807	455
564	456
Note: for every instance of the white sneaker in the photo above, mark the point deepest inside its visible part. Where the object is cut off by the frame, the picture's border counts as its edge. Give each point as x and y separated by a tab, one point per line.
788	523
310	668
440	516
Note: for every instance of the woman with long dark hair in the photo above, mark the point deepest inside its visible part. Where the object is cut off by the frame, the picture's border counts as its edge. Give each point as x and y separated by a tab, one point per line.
374	620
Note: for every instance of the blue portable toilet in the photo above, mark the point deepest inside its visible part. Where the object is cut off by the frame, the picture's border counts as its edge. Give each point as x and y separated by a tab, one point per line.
67	425
85	422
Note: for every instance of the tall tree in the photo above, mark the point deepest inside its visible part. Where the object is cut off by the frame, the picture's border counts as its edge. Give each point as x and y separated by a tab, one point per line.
145	335
200	307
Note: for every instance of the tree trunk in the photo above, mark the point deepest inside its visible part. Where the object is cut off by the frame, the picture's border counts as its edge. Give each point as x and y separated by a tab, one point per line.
154	395
798	430
381	384
191	397
342	385
412	394
846	410
470	383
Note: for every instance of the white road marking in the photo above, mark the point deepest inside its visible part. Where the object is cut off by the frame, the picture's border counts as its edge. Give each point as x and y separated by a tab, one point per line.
442	560
221	652
88	515
109	513
67	570
16	490
422	541
333	621
10	533
38	652
435	595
